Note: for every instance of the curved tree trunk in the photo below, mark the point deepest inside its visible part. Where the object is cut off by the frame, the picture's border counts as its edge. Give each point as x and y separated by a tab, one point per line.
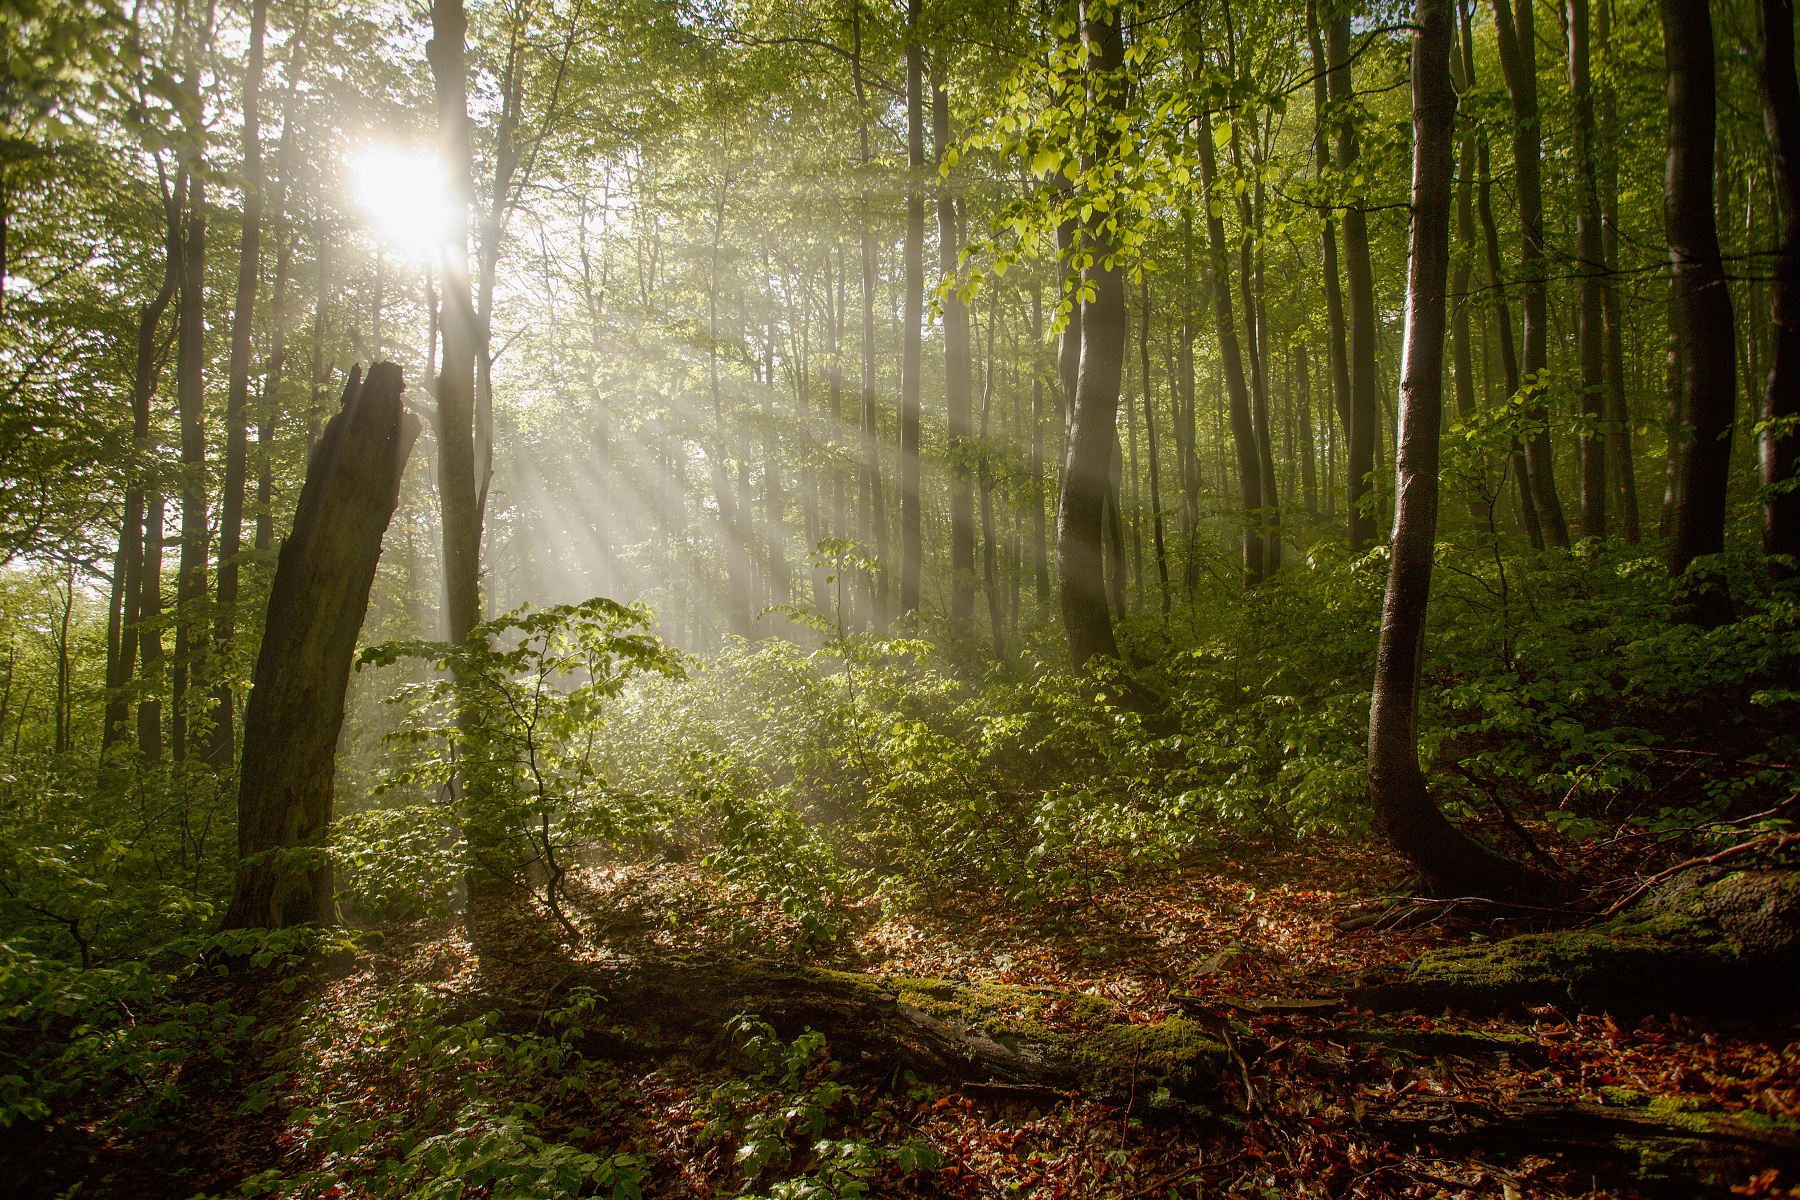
1703	320
316	607
1093	415
1450	863
1778	448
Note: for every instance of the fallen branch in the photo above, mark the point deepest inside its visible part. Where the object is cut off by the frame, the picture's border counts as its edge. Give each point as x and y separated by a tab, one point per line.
1773	843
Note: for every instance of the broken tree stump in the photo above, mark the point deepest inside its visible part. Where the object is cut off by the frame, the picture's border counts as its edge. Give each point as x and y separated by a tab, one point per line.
316	608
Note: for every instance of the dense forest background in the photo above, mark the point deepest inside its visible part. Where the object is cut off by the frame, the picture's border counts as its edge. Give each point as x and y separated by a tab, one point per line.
1015	447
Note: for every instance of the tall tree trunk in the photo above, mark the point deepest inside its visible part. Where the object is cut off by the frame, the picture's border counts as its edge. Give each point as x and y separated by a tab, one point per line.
1451	864
871	503
913	317
732	513
190	402
1243	432
237	394
1150	449
1621	475
1778	447
461	514
1309	480
990	576
1462	73
1336	335
1702	306
316	606
1365	418
1591	266
1093	415
1518	62
1040	552
128	563
957	380
149	608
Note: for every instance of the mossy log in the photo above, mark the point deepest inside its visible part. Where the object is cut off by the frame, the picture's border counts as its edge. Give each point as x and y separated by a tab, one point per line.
1729	943
883	1026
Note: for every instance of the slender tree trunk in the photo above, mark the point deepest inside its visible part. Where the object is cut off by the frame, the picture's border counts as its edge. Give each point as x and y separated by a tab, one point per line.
913	316
1093	415
1591	267
1462	73
1365	419
1702	306
461	513
871	504
128	565
1040	552
957	382
990	577
1451	864
1518	62
1336	339
1150	449
1778	446
732	512
1243	432
1621	475
150	640
237	395
190	402
316	606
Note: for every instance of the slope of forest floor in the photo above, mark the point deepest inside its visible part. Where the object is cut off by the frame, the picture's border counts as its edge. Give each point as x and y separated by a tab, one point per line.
349	1091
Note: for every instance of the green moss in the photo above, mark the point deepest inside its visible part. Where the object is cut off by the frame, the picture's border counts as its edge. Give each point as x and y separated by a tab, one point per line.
1175	1052
1623	1097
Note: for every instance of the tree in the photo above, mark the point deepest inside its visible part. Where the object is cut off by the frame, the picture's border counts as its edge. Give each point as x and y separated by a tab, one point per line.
1592	269
1450	863
1364	430
912	546
1702	310
1779	441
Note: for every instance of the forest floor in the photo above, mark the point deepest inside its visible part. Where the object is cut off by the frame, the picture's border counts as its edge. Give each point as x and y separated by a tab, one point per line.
1325	1101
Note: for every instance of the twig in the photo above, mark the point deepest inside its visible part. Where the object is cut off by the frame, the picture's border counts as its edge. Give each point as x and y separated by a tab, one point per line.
1772	842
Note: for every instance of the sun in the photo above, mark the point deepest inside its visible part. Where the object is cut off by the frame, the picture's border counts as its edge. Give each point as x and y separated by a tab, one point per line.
407	199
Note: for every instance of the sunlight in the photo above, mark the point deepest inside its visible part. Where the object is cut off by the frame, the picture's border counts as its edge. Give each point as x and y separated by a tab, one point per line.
406	196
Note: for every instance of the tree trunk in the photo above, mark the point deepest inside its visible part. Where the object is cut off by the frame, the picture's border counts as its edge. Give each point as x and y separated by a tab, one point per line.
1518	62
316	607
1779	442
461	514
1336	343
958	394
1243	432
1365	419
1451	864
871	504
1040	551
1462	73
1309	480
1591	269
1093	414
190	402
913	317
1621	475
1703	316
237	393
990	577
1150	449
128	563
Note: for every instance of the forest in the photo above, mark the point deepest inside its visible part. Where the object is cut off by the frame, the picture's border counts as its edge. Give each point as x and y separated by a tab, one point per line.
697	599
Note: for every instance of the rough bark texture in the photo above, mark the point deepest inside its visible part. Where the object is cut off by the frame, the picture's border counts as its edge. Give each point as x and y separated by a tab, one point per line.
1450	863
1703	319
1518	62
316	607
1778	447
1093	416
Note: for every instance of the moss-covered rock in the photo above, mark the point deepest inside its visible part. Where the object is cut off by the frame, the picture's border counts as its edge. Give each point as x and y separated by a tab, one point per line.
1728	943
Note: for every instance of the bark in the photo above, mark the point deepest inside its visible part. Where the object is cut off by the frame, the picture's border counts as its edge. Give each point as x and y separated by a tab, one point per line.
1591	270
1621	475
990	579
1365	418
316	606
1150	449
237	393
1449	862
1462	72
1093	413
1268	517
731	512
912	317
1243	432
150	643
1040	551
958	394
1778	446
1702	303
1309	480
1336	340
871	504
1518	62
461	513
